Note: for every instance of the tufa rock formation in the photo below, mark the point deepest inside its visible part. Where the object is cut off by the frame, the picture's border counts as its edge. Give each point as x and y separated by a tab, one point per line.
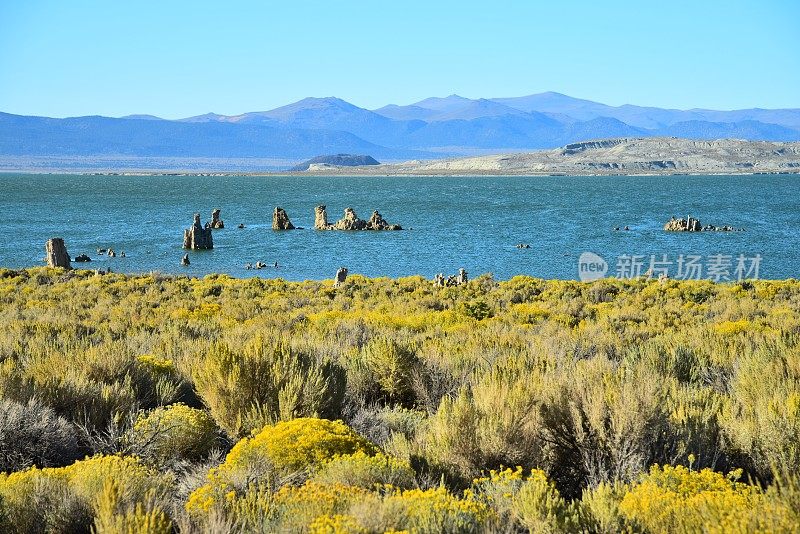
689	224
82	258
216	222
185	260
461	278
321	218
377	222
350	221
341	276
197	237
280	220
56	253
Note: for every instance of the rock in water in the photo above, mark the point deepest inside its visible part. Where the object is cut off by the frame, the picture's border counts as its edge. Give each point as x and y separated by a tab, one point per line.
216	222
377	222
82	258
280	220
56	253
185	260
350	221
341	276
197	237
321	218
689	224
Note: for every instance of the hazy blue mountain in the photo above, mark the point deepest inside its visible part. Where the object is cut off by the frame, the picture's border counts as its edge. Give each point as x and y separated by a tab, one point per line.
447	126
331	114
406	113
476	109
93	136
208	117
143	117
645	117
552	102
789	118
507	131
448	103
599	128
749	130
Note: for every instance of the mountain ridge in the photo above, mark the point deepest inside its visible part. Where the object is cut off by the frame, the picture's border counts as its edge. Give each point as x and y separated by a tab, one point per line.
430	128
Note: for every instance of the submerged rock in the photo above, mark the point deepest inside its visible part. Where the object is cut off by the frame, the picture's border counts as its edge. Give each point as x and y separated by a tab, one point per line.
280	220
56	253
197	237
216	222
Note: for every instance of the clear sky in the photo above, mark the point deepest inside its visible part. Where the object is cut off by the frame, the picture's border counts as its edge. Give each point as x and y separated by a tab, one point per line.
176	59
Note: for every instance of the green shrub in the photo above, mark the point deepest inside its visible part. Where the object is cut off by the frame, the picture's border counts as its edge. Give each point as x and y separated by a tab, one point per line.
174	432
265	383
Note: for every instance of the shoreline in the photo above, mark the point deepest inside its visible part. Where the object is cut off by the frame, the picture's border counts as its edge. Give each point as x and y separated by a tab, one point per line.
651	156
4	272
344	173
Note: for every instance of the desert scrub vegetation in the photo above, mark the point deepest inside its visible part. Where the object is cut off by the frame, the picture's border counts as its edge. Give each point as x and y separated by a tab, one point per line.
155	403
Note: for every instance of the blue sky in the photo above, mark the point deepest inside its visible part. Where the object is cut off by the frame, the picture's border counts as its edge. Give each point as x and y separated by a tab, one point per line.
176	59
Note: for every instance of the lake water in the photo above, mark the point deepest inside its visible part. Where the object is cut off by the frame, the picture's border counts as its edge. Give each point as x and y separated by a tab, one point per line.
454	222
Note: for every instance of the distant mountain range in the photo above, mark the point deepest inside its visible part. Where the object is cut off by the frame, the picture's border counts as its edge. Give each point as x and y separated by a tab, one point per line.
431	128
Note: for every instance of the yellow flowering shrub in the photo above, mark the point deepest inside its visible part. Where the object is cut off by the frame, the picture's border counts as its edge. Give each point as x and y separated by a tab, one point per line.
84	481
112	516
299	444
366	471
731	328
532	502
438	510
158	366
335	524
287	448
296	508
175	431
676	499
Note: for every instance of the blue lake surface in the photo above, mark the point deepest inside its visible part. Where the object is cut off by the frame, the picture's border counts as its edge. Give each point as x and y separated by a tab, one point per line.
470	222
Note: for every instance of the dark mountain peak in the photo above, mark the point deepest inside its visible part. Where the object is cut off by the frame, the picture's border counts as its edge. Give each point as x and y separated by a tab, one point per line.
340	160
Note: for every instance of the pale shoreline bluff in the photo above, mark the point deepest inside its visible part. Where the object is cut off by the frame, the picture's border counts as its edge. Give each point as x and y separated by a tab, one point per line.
627	156
606	157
